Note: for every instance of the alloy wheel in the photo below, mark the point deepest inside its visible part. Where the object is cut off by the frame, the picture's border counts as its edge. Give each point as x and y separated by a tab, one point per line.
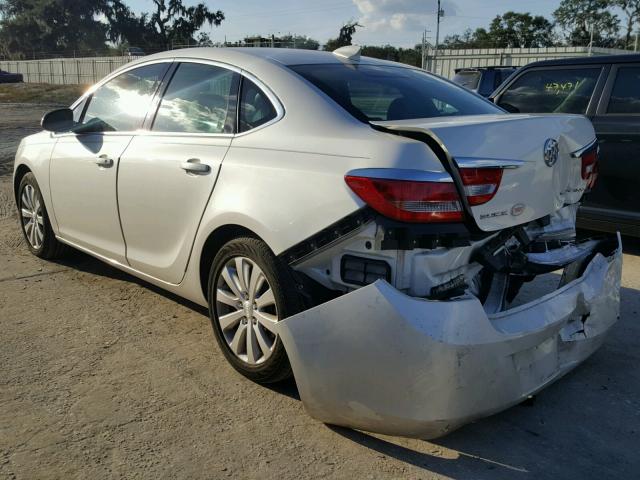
246	310
32	219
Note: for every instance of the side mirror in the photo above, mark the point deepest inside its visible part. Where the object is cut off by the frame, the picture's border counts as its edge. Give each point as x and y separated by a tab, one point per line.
60	120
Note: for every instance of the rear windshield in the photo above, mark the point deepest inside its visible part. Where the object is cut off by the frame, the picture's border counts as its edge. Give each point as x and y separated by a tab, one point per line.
469	80
375	93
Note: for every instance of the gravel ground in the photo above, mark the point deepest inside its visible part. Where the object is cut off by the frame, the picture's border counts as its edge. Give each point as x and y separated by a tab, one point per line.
103	376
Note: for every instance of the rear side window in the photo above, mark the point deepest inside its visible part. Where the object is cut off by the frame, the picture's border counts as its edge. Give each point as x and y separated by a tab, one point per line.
122	103
551	91
371	92
255	107
199	99
625	95
468	80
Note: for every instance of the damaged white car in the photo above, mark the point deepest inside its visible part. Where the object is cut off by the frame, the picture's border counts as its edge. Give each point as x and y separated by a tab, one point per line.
361	224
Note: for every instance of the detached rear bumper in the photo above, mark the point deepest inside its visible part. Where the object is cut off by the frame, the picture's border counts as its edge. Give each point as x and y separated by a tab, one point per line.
378	360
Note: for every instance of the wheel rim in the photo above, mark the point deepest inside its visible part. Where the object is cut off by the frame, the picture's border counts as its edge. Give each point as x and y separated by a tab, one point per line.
246	310
32	220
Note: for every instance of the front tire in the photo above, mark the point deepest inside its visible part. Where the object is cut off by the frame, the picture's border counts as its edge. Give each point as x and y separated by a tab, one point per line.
34	220
250	290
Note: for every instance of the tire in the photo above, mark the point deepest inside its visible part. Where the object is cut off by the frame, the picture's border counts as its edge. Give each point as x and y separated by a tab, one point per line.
243	312
38	236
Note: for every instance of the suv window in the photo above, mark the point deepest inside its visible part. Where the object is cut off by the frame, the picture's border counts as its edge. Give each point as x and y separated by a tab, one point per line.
198	100
122	103
255	107
551	91
625	95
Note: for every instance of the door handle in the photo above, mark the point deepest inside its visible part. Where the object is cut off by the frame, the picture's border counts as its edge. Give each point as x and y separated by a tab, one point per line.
193	165
104	161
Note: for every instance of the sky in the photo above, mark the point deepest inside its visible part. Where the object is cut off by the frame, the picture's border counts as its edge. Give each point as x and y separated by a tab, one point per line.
395	22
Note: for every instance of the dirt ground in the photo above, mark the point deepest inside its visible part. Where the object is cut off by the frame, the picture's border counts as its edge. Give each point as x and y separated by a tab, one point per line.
103	376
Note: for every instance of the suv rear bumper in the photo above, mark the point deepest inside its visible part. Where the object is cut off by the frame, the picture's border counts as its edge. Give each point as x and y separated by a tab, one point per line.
378	360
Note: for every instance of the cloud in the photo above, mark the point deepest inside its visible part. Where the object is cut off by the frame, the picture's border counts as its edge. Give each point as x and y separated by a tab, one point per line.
400	15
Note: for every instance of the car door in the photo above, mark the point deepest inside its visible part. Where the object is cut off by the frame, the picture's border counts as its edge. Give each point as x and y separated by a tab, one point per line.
84	163
167	174
617	125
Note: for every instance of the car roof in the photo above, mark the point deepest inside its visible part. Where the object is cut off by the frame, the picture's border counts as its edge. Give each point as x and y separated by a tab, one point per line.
597	60
284	56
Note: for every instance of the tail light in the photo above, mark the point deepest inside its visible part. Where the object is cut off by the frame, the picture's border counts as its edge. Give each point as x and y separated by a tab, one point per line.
590	166
426	201
480	184
409	200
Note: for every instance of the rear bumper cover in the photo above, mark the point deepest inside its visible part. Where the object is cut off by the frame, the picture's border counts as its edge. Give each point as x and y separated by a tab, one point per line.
378	360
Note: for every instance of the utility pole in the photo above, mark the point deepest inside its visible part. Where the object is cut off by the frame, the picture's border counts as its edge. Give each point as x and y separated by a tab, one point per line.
591	38
440	13
424	48
635	45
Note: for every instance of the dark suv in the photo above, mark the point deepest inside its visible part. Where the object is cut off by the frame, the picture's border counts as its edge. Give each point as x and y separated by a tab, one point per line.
482	80
607	90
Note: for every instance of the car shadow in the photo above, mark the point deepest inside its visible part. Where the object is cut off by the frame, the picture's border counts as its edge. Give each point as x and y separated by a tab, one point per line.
536	438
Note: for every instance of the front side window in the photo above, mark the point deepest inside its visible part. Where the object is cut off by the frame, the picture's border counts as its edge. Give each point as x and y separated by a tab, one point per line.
198	100
122	103
551	91
371	92
625	95
255	107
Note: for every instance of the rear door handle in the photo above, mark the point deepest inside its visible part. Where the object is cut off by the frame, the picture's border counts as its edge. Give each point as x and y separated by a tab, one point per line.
104	161
193	165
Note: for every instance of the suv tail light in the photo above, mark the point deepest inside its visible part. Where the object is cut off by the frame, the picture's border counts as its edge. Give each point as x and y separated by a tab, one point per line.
590	166
480	184
409	200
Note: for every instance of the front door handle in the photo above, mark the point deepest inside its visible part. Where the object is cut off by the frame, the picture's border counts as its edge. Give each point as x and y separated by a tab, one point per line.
104	161
193	165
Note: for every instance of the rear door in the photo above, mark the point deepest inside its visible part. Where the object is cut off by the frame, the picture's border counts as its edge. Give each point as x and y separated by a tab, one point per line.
617	124
167	173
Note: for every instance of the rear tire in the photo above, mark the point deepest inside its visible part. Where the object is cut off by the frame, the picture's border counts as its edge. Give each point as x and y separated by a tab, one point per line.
34	221
249	290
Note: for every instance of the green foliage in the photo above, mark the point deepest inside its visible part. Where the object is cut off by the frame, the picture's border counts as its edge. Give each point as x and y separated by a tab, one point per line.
29	26
510	30
409	56
631	10
578	17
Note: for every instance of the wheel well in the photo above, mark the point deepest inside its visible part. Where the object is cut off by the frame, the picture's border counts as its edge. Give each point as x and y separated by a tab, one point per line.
214	242
21	171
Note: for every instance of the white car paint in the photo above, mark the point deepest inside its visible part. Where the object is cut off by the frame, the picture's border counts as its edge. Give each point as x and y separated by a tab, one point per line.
284	182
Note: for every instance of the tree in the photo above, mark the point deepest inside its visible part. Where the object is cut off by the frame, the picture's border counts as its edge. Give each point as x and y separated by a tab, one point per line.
299	41
631	9
511	30
28	27
171	23
344	37
521	30
579	18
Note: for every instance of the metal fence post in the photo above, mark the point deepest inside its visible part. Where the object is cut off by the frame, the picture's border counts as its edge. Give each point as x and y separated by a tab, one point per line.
64	80
93	65
78	70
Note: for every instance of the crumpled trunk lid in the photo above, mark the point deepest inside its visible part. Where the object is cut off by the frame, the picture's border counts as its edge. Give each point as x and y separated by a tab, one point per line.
533	189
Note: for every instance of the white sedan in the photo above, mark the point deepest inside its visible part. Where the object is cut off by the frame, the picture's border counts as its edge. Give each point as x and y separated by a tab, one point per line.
360	224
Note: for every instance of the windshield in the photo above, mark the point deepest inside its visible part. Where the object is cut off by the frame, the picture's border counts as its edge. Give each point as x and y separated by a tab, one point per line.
469	80
378	93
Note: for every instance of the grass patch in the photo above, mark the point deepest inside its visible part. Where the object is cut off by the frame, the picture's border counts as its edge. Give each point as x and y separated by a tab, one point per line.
43	93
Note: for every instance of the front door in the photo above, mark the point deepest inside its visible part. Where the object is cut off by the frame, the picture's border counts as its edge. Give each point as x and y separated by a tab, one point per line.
84	164
167	175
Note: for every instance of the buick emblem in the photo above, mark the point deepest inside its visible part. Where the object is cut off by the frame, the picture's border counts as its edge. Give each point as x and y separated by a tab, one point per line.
517	209
551	151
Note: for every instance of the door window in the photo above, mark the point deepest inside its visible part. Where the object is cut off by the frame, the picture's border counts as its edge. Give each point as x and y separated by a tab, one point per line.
551	91
199	99
255	107
122	103
625	95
